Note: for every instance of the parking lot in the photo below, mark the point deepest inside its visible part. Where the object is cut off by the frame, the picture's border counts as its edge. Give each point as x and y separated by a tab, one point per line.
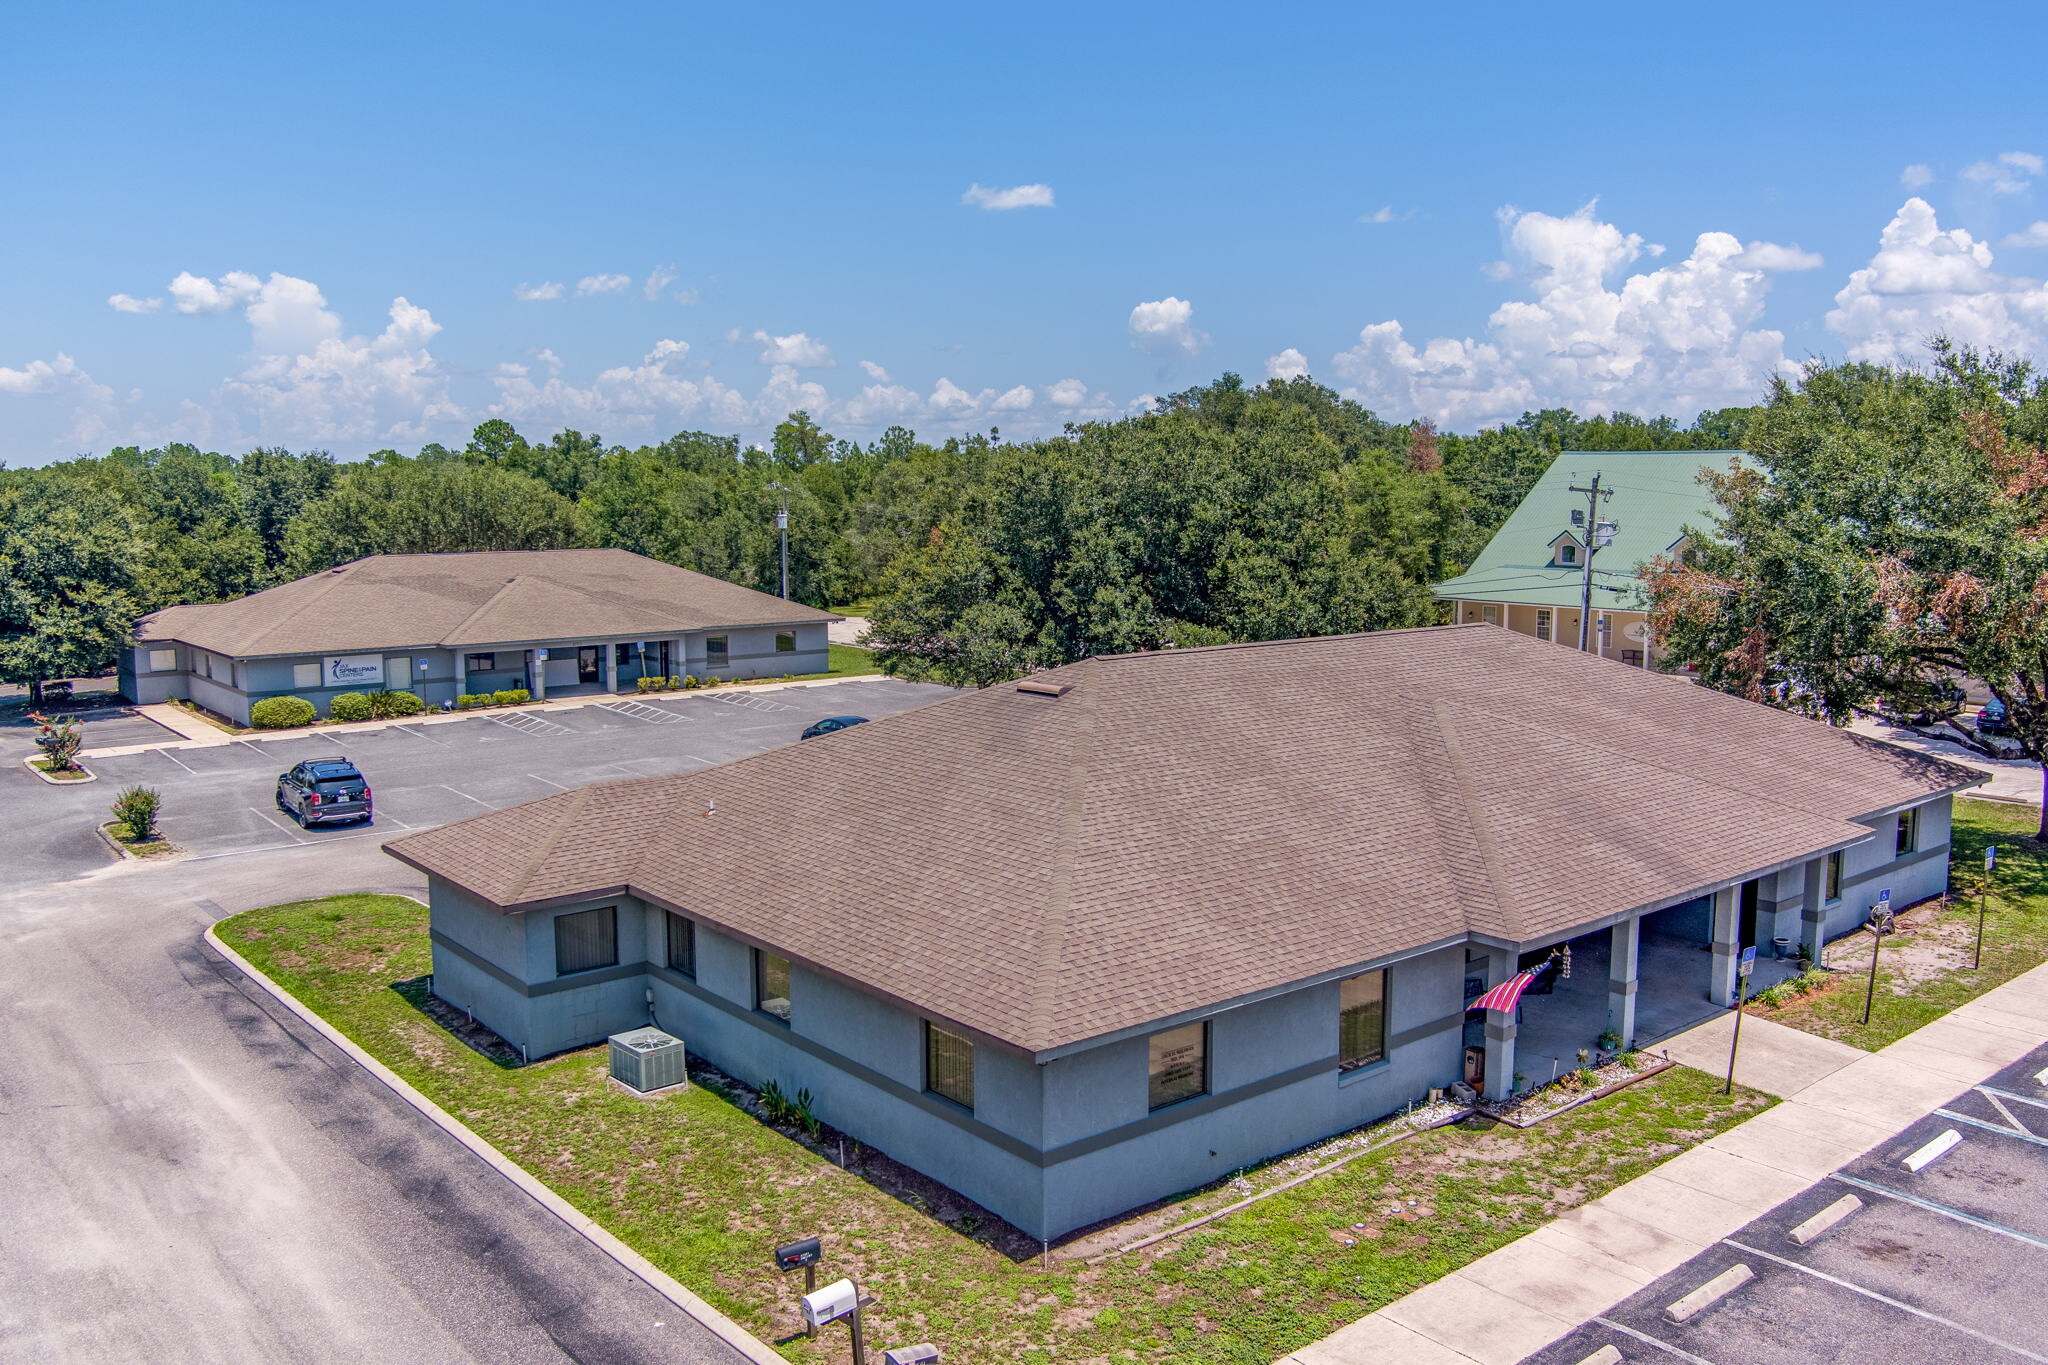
1879	1264
218	799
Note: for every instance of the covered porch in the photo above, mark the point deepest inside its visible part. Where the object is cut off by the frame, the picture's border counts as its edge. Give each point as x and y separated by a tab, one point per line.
574	669
1641	978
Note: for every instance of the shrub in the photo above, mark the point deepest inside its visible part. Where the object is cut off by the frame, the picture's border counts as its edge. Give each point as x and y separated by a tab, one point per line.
282	713
59	740
468	701
648	684
686	682
512	696
136	808
349	706
385	705
775	1105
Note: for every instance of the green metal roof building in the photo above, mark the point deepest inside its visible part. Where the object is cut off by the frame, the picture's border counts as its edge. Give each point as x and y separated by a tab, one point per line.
1531	575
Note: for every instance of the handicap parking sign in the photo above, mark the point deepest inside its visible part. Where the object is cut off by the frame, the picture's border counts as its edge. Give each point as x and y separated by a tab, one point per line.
1746	964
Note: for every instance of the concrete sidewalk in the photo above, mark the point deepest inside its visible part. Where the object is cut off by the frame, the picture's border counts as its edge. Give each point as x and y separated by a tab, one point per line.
1837	1102
195	733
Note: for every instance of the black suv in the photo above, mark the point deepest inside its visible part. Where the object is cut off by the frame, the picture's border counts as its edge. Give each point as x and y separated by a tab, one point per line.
323	791
831	724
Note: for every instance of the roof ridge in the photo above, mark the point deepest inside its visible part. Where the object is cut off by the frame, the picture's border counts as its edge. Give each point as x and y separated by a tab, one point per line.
1178	652
1059	896
455	632
332	578
556	832
1489	856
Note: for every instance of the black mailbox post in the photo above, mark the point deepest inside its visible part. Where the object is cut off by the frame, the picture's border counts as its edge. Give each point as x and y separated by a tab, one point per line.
802	1256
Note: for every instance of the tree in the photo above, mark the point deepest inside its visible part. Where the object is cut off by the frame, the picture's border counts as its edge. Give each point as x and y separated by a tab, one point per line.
70	556
1891	540
418	508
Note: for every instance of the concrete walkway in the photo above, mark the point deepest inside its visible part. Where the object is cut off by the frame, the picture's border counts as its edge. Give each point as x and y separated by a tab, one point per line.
193	732
1837	1102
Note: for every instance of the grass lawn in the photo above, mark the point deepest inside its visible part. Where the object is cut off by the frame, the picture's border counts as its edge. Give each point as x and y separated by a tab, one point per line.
848	661
74	773
1924	970
142	848
864	608
704	1190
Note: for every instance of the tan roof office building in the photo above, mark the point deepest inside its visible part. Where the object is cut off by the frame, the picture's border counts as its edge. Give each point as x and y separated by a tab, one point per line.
1077	943
555	622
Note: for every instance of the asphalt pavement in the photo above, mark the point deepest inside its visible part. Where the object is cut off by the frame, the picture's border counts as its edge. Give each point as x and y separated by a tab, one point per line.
194	1174
1911	1254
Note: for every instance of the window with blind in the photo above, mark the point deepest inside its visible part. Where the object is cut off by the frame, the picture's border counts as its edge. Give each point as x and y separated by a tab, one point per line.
1834	889
1179	1065
587	940
1909	831
1362	1020
948	1066
715	654
771	985
682	944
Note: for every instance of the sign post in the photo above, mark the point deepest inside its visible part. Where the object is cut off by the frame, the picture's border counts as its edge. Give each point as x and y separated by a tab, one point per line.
1744	965
1983	893
1879	914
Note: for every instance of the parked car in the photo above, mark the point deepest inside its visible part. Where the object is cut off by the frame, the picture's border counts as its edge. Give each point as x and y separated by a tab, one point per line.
324	791
1992	720
832	723
1928	704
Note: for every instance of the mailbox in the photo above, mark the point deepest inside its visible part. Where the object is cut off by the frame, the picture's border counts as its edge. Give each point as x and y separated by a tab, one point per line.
835	1301
924	1353
798	1255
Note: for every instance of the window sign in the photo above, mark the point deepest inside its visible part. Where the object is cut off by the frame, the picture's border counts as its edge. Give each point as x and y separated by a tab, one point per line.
352	670
1180	1064
305	675
162	660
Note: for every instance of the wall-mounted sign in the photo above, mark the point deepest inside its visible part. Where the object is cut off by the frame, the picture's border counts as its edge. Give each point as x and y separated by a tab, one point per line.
352	670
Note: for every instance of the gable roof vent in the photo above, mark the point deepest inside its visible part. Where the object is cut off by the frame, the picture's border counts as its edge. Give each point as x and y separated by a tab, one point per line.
1041	688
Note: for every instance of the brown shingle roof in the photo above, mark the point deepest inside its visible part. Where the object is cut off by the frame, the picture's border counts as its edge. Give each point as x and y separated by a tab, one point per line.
485	598
1188	827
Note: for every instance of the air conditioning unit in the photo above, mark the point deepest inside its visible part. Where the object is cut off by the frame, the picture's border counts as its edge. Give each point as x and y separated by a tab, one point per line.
646	1059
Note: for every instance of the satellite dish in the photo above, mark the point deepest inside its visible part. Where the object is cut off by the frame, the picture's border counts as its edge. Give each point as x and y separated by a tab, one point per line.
1638	631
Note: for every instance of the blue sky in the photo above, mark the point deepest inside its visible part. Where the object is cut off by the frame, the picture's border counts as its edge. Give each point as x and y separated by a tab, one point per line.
1458	214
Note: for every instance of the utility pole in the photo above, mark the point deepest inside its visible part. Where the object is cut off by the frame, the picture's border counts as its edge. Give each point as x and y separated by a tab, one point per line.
782	526
1592	545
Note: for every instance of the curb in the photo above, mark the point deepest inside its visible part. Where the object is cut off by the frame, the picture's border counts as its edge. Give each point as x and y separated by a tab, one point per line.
30	763
717	1323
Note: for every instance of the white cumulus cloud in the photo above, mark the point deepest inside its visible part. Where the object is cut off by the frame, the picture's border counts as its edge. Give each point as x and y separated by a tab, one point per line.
1925	281
2035	235
61	381
1166	327
1016	197
2007	173
128	303
1289	364
1771	256
1675	339
1067	393
875	372
603	284
197	294
658	279
797	349
537	293
1917	176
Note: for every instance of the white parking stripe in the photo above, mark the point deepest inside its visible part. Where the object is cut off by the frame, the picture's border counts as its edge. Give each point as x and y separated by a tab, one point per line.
2010	1117
179	761
2007	1094
556	785
1887	1299
465	796
1649	1340
298	835
1991	1127
1944	1210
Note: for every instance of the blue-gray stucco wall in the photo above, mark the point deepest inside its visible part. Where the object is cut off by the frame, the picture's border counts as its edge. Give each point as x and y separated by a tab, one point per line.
1049	1145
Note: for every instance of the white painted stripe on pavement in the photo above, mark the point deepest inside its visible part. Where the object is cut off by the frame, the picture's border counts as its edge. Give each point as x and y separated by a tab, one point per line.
1888	1300
1649	1340
1991	1127
2010	1117
1944	1210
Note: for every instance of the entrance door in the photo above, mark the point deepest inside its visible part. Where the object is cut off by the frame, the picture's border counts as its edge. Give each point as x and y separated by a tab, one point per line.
589	663
1746	932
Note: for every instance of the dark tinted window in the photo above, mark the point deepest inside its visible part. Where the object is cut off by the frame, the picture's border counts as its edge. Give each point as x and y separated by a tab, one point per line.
714	650
949	1066
1179	1064
480	663
682	945
785	642
587	940
771	985
1362	1020
338	784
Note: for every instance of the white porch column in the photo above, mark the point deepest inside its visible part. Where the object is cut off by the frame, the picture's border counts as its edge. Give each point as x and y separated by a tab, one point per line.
611	666
537	669
1813	909
679	658
1500	1029
461	672
1727	944
1624	944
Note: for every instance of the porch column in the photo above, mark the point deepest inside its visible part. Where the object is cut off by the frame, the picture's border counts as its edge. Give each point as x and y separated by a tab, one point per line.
461	672
1500	1029
679	662
1727	944
611	666
1813	909
537	669
1623	945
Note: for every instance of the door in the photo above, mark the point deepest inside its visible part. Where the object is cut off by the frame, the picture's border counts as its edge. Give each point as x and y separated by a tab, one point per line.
1746	932
589	663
